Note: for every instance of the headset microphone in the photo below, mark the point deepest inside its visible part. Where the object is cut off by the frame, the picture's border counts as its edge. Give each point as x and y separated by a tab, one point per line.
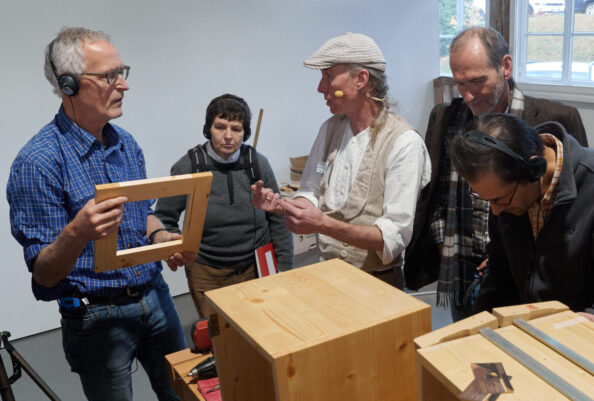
339	93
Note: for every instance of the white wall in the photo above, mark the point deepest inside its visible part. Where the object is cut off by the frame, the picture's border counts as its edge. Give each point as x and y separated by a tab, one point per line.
182	54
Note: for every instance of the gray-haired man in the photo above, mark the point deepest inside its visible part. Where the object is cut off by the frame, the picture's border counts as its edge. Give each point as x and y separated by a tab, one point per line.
450	232
108	318
366	167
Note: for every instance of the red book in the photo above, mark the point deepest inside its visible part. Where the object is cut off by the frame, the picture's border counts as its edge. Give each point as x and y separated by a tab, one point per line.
266	260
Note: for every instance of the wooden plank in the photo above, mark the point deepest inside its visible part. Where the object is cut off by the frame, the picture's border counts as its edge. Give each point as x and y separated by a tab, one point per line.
328	332
570	329
536	367
462	328
244	373
197	186
148	188
289	315
431	389
179	364
506	315
449	363
196	206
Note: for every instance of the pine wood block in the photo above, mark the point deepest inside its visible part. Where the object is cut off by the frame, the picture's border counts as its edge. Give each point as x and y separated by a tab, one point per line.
445	371
179	365
196	186
465	327
571	330
505	315
327	331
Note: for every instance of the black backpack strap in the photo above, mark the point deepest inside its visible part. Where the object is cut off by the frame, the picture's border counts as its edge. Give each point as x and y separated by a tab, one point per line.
250	162
198	158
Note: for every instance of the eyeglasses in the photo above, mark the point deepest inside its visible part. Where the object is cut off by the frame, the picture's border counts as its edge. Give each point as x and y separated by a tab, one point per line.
112	76
496	201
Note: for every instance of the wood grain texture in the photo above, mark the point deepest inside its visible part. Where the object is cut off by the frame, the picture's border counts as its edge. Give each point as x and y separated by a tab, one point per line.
327	331
178	365
505	315
462	328
448	363
572	330
196	186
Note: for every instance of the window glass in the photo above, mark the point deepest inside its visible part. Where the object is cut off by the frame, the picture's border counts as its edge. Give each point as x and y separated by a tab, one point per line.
545	57
554	41
472	12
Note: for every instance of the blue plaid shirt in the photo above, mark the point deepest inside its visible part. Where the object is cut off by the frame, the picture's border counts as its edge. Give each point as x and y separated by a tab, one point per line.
53	177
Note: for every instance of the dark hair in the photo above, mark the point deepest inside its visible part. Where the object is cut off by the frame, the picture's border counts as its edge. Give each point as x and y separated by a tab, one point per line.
472	159
492	41
229	107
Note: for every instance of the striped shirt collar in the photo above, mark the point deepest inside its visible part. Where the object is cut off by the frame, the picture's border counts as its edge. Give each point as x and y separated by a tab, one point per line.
541	210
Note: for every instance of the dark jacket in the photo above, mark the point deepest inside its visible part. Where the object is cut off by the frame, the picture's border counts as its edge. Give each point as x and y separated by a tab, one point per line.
559	264
422	260
233	229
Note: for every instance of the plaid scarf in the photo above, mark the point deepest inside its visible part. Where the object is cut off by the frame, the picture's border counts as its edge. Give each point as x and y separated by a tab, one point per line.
465	227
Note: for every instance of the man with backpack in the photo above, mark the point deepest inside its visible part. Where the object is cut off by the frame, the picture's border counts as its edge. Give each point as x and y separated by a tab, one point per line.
233	228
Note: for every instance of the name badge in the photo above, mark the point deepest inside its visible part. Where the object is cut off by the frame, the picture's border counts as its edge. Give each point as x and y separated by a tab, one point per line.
322	167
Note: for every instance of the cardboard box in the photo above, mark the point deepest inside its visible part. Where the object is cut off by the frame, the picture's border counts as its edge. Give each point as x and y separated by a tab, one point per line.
445	369
327	331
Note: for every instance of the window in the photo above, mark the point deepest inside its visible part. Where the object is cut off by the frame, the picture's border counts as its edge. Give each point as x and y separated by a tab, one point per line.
554	42
471	12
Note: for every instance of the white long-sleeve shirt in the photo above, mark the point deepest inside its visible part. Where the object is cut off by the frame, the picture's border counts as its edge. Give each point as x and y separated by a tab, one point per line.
407	171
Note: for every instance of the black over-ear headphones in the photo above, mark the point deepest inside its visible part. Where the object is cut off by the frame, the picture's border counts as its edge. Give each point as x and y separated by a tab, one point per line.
68	83
532	169
247	131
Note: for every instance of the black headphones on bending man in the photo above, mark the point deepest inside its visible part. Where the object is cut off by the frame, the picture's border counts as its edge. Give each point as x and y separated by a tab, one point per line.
532	169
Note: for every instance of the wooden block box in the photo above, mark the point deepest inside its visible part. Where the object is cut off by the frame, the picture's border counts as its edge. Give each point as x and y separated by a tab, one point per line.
327	332
445	369
179	365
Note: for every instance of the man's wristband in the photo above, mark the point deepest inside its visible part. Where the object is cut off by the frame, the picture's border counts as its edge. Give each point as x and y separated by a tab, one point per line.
151	236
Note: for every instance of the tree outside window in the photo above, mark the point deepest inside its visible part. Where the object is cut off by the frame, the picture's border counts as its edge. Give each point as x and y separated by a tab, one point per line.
471	12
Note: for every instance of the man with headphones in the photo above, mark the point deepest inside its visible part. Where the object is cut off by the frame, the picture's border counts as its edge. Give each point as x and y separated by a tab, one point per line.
450	230
110	318
540	184
233	228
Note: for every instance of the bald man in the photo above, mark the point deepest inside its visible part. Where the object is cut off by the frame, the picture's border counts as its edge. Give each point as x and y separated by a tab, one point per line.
450	231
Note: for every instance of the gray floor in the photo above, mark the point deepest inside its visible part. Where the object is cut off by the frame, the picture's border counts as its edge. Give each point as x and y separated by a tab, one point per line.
44	352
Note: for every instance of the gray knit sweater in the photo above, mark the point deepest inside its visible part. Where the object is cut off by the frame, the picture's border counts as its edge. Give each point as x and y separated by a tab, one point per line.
232	231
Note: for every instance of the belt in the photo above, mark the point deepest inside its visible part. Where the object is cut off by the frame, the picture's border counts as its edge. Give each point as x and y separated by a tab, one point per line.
129	295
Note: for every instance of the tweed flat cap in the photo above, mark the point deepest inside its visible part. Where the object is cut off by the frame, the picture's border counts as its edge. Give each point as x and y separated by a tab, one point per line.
350	48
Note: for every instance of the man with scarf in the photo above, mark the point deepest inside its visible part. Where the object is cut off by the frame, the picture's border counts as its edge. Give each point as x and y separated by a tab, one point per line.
450	230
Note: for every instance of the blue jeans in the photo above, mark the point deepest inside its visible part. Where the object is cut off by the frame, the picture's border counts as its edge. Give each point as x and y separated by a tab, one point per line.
102	341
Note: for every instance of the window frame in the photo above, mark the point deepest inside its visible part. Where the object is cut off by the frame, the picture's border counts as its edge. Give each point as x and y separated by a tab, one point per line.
563	89
460	17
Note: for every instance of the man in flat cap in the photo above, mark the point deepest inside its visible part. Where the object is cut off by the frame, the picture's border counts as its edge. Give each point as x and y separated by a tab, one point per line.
365	170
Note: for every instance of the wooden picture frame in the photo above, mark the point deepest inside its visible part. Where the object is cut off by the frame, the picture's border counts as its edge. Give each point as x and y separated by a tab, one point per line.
196	186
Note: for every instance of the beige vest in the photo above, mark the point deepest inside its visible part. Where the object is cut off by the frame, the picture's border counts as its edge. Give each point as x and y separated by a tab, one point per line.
365	202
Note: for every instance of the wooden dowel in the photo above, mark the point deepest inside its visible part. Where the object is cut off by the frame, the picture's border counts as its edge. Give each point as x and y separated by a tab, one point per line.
258	128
